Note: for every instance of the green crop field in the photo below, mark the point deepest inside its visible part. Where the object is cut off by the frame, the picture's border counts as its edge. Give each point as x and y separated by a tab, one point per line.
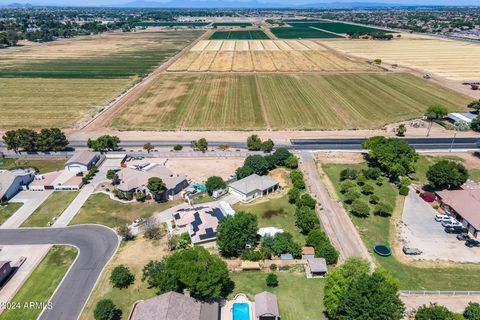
239	35
172	24
63	82
301	32
243	102
336	27
232	24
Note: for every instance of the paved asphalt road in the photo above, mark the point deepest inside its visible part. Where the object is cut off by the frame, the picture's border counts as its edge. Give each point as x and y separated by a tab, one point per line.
96	245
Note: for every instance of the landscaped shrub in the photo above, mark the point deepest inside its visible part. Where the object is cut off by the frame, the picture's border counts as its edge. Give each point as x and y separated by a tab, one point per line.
472	311
350	174
403	191
282	243
351	196
372	173
379	182
361	180
121	277
256	255
405	181
347	185
428	196
177	147
106	310
272	280
360	209
293	195
374	199
273	267
297	179
367	189
383	209
291	162
305	200
306	219
328	252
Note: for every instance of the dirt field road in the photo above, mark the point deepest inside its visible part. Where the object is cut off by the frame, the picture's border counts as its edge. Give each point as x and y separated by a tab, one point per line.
455	303
335	220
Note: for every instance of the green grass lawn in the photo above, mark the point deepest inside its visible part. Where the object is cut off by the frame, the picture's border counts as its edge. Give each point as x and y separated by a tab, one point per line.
203	199
42	282
274	213
100	209
421	275
299	298
474	174
54	206
424	162
43	166
7	210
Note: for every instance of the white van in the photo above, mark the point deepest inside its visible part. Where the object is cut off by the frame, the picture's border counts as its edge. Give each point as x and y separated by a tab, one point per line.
443	218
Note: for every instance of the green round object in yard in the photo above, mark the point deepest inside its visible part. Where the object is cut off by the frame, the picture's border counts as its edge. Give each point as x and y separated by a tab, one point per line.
382	250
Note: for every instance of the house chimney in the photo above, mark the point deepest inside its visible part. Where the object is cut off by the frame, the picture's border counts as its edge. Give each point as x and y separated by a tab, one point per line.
186	293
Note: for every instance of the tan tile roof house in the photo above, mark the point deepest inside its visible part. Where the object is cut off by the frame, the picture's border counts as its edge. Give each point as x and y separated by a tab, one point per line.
174	306
132	180
266	306
253	186
464	204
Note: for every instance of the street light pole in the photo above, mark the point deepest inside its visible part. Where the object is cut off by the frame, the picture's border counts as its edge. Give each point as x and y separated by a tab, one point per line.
453	141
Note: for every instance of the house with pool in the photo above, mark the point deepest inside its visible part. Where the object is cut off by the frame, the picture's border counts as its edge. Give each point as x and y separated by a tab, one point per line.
264	307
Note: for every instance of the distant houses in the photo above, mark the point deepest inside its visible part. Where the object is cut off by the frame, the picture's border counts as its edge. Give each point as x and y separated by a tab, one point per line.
11	182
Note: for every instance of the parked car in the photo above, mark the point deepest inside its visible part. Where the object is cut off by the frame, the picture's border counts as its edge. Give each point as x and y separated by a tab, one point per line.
442	217
472	243
138	222
463	237
456	230
451	223
411	251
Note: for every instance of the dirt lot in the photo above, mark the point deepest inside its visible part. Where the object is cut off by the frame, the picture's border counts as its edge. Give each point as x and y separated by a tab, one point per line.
339	157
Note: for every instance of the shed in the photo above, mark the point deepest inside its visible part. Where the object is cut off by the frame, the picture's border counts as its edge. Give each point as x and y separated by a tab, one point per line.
286	256
461	116
82	161
316	267
308	252
266	306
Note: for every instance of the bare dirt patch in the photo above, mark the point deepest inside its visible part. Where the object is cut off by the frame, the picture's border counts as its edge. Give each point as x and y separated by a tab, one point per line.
339	157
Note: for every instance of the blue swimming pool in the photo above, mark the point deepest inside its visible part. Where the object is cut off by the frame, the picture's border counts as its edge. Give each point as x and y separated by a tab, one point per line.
241	311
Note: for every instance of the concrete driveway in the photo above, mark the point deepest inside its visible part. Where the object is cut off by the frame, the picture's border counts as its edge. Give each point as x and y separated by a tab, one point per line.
421	231
96	245
31	201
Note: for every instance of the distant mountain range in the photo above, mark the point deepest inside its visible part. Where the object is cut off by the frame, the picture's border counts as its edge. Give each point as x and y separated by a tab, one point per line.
227	4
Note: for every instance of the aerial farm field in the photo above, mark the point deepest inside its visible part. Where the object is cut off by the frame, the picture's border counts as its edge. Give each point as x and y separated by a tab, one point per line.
232	24
302	32
278	101
239	35
336	27
172	24
60	83
265	56
454	60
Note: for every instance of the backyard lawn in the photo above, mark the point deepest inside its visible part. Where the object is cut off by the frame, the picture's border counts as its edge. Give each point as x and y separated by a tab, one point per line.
42	283
127	255
299	298
424	162
7	210
100	209
54	206
43	166
374	229
274	213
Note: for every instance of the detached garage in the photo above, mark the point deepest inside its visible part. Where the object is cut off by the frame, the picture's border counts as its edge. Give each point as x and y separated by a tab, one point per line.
82	161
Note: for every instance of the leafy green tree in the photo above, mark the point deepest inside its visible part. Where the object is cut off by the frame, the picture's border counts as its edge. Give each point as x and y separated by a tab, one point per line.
401	130
394	156
368	189
291	162
374	199
347	185
281	155
258	164
254	143
403	191
106	310
370	297
148	147
360	209
27	139
214	183
10	139
339	280
243	172
372	173
433	312
306	219
296	176
110	174
156	186
472	311
293	195
235	232
306	200
475	105
157	276
200	145
316	238
435	112
177	147
447	174
282	243
121	277
52	139
271	280
475	124
104	143
361	180
383	209
140	196
328	252
351	195
348	174
267	146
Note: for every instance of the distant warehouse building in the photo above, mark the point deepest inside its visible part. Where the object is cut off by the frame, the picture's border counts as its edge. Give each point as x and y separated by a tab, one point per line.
253	186
461	117
82	161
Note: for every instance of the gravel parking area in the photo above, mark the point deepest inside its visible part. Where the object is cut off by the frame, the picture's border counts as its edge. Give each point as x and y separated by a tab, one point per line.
420	230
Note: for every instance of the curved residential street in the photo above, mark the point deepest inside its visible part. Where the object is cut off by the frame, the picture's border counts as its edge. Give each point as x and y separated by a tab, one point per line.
96	245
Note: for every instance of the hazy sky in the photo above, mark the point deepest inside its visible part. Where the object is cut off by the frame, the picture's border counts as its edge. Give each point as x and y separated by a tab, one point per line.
107	2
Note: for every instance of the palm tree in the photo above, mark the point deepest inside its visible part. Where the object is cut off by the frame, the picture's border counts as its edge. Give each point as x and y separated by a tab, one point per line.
435	112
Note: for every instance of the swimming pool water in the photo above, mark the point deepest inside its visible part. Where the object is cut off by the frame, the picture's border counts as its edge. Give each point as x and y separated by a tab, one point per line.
241	311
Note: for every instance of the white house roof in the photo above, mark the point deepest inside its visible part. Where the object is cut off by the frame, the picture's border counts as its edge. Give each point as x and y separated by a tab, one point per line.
253	183
462	116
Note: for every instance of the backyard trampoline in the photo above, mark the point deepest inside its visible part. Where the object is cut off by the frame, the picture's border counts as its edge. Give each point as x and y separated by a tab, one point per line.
382	250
